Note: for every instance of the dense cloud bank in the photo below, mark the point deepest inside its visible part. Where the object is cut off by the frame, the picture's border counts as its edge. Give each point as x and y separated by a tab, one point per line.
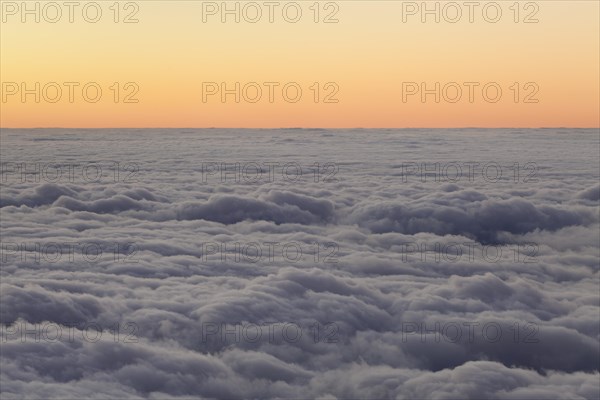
356	264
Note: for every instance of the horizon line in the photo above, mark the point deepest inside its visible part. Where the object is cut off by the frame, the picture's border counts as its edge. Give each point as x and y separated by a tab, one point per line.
308	128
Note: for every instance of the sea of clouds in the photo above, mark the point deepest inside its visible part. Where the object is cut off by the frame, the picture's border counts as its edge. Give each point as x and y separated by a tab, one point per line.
238	264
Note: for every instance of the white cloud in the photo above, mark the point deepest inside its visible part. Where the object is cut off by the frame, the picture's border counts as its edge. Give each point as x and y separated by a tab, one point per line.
361	319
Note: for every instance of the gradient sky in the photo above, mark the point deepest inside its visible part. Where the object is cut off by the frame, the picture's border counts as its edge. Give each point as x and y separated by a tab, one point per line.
367	54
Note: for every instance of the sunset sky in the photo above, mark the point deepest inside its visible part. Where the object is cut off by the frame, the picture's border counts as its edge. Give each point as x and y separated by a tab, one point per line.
363	64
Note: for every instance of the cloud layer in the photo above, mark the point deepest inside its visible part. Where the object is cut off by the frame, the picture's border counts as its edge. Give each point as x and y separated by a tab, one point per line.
357	266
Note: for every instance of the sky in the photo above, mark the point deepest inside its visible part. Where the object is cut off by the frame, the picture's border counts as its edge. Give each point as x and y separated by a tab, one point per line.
371	64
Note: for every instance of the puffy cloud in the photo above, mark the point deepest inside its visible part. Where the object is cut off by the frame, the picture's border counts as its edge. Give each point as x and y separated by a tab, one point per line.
308	287
476	217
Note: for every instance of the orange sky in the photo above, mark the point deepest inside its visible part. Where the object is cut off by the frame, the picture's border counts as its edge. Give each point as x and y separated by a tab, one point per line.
368	69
